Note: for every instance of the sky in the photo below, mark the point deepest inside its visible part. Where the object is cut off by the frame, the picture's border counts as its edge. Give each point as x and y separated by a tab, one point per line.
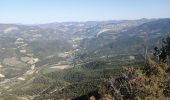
47	11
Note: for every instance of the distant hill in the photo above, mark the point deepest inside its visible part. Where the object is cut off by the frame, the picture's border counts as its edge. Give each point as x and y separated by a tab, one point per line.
130	41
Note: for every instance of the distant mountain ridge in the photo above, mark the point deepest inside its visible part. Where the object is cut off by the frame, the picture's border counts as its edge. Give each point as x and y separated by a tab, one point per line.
96	34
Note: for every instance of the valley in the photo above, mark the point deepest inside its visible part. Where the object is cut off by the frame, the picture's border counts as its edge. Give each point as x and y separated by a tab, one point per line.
70	59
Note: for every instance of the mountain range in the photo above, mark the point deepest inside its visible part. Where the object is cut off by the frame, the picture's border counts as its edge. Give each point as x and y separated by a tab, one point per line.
56	57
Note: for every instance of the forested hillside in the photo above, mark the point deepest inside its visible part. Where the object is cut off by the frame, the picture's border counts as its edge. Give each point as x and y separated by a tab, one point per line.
75	60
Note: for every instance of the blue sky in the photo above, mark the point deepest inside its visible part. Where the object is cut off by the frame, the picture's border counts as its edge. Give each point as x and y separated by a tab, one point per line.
44	11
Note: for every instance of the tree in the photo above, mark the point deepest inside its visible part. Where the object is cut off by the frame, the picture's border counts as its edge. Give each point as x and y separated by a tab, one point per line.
166	42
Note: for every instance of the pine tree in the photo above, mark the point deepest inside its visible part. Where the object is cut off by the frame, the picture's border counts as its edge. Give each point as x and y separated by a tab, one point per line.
167	45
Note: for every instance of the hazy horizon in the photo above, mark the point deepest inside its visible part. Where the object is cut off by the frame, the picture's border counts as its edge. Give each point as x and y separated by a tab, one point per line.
78	21
45	11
